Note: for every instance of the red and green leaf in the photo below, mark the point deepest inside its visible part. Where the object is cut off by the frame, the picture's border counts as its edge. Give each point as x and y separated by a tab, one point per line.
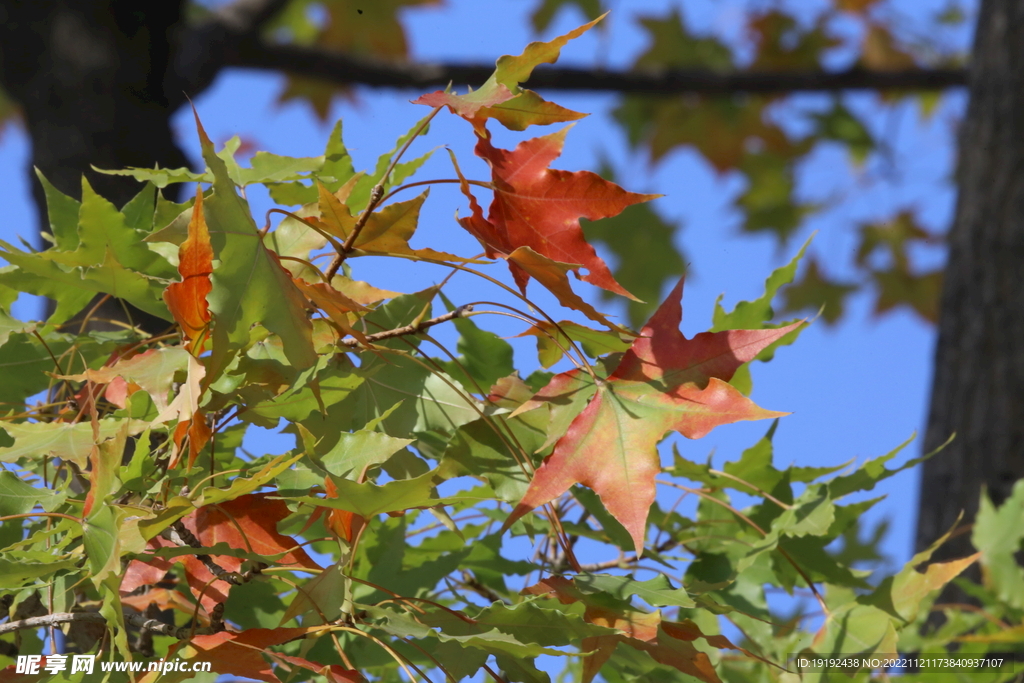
664	383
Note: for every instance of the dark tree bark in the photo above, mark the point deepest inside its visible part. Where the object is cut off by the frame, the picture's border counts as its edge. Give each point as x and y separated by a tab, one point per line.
90	78
978	389
98	82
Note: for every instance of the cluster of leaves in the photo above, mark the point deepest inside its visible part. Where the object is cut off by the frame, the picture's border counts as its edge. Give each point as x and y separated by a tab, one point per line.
739	134
734	133
744	135
389	538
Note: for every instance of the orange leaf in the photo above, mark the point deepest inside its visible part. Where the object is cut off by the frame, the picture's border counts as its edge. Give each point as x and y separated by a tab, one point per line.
187	299
148	573
665	382
341	522
198	432
165	598
241	654
246	523
555	278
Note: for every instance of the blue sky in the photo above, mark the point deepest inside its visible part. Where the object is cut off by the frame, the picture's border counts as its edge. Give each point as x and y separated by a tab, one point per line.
856	390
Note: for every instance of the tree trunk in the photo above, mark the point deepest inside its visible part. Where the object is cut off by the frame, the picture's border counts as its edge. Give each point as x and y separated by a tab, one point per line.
90	77
978	390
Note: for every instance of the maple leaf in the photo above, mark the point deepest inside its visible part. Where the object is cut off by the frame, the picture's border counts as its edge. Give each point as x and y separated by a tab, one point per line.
667	642
501	98
665	382
247	523
250	285
149	572
187	299
918	291
152	371
538	207
241	654
336	306
387	231
817	291
555	278
880	51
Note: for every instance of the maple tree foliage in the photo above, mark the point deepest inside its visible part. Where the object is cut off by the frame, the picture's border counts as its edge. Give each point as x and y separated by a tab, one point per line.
663	382
389	538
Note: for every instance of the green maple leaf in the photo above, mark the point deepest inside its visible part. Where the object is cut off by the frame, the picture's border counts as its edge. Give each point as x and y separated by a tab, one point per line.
249	285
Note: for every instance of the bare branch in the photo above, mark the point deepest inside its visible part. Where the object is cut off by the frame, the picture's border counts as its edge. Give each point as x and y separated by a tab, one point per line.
140	621
179	534
50	620
343	69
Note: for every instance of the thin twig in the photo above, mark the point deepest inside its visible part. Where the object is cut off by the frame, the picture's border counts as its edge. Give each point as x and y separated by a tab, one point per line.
180	535
414	328
376	197
761	492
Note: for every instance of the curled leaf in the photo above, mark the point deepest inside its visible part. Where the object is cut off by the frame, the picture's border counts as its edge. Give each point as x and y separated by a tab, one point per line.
187	299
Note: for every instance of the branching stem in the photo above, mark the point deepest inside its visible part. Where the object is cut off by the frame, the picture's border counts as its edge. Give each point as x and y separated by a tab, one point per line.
376	197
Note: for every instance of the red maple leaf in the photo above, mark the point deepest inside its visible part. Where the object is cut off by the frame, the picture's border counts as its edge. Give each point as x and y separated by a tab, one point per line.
664	382
538	207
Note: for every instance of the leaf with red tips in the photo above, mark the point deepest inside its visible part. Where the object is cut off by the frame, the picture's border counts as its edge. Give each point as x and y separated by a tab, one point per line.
187	299
669	643
665	382
468	105
501	98
538	207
